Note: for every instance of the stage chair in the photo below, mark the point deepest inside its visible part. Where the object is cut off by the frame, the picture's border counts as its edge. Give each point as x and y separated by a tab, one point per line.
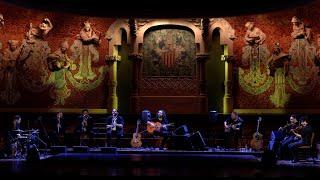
307	151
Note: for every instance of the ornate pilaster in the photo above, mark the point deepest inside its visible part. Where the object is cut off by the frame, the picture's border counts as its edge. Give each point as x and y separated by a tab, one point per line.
205	27
133	27
201	62
137	63
112	61
228	91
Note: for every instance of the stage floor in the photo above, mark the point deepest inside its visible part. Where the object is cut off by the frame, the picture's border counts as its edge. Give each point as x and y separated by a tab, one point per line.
154	162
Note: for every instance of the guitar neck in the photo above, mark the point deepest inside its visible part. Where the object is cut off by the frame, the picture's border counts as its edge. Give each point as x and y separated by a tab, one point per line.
258	125
137	128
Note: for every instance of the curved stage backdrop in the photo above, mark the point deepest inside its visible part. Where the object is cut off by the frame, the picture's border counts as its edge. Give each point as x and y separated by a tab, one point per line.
60	60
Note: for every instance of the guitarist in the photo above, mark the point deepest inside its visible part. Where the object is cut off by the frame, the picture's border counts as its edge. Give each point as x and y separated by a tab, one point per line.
303	136
232	129
284	136
115	124
164	132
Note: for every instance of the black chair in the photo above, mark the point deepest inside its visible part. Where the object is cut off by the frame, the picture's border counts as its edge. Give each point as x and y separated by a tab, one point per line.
306	151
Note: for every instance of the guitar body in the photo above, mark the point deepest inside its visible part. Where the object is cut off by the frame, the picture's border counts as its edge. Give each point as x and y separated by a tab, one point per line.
257	141
136	140
136	137
157	126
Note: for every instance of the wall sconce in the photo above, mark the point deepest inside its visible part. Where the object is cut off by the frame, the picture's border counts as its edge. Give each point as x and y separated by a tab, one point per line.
224	57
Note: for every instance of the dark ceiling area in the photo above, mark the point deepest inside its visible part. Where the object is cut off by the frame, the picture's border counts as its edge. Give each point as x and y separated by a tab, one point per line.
161	8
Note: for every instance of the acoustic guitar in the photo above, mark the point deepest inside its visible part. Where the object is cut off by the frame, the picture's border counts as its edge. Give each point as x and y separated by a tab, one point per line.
257	141
156	126
136	138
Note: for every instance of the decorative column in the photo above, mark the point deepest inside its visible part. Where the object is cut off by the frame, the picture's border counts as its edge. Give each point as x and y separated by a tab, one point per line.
228	91
112	61
201	69
137	63
205	32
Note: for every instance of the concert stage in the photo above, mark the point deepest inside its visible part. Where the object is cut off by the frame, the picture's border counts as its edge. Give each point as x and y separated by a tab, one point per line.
151	162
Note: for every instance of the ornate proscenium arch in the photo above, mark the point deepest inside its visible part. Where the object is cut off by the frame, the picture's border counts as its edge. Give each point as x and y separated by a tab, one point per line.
113	36
193	90
227	35
143	26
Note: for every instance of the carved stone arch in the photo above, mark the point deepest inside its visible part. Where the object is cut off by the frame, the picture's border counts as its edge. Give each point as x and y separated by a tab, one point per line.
114	33
227	33
167	22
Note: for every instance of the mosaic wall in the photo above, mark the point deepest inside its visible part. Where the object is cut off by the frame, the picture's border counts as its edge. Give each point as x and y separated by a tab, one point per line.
52	59
169	52
277	59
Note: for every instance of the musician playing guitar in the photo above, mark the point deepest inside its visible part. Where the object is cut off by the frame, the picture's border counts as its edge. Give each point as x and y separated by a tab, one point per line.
161	119
232	129
285	137
114	126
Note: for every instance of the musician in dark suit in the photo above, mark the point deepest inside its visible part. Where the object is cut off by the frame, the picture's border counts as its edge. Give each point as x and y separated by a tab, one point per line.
303	135
233	130
114	126
13	135
58	129
84	128
16	123
161	117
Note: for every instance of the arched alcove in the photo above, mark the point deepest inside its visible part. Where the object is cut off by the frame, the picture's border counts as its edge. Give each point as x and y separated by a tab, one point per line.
215	73
124	75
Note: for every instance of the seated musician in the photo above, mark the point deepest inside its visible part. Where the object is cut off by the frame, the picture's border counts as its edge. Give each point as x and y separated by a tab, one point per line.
14	134
285	135
161	118
232	129
58	129
114	126
84	127
303	135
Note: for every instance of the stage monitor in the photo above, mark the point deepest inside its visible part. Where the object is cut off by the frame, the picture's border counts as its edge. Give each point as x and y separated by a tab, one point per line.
145	116
214	116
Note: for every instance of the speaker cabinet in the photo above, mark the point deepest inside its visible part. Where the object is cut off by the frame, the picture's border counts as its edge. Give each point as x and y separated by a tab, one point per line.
145	116
181	142
181	131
